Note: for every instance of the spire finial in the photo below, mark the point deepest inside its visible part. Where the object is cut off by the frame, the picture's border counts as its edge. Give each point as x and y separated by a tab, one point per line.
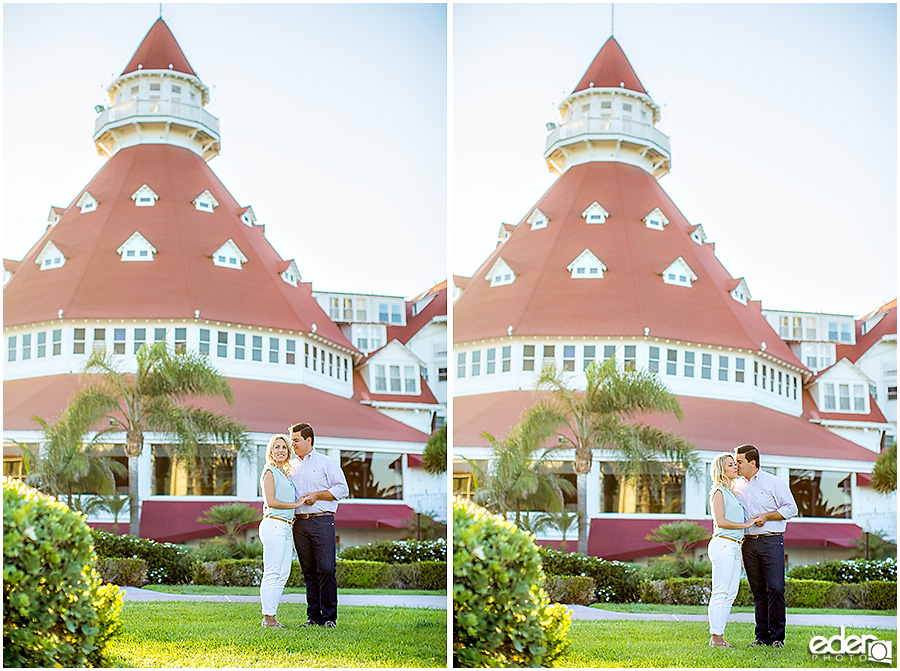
160	10
612	20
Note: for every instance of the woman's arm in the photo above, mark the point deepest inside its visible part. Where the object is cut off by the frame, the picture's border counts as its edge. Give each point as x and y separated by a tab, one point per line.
269	494
718	505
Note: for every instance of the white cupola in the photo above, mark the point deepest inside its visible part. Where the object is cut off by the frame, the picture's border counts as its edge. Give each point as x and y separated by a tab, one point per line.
158	99
608	117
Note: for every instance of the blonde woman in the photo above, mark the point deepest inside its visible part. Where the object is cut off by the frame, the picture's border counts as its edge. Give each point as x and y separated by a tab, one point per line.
725	545
276	526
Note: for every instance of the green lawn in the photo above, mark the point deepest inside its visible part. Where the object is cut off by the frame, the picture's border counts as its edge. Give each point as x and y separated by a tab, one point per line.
630	643
254	591
216	635
701	610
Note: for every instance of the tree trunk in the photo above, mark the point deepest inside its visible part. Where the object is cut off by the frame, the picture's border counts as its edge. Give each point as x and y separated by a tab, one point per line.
581	489
134	526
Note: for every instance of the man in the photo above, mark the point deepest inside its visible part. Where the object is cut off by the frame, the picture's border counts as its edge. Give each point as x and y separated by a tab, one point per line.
769	500
319	483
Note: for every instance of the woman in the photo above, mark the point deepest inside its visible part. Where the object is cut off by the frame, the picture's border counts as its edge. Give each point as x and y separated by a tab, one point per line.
276	527
724	546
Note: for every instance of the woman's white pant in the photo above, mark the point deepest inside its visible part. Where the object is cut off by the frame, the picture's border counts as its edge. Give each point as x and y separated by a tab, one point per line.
278	549
725	556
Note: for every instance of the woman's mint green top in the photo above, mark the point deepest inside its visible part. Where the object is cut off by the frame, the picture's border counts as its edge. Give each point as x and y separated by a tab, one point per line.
734	512
284	491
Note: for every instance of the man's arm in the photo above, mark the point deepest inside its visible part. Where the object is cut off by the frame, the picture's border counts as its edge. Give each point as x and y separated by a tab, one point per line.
337	489
784	500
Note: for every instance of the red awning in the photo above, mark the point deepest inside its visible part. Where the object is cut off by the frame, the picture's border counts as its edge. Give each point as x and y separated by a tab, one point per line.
625	539
176	521
414	460
863	479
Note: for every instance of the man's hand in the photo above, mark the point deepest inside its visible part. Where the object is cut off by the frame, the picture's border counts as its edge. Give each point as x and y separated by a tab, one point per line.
309	498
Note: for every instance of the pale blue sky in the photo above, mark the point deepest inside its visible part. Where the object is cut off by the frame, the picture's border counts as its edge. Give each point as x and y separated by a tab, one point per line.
333	122
782	119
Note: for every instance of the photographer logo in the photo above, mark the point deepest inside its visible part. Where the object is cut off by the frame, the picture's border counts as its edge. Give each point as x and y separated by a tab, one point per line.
865	648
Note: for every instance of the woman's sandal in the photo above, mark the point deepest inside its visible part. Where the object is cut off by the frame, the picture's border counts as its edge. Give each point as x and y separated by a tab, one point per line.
723	644
275	625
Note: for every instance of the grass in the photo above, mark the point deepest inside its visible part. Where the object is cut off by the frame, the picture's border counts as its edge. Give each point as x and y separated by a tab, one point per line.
213	634
254	591
628	643
702	610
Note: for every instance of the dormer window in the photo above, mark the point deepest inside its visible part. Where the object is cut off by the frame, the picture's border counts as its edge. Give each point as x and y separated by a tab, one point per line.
205	202
595	214
50	257
87	203
586	265
248	217
656	219
500	274
504	233
136	248
741	293
145	197
537	219
229	255
698	235
290	274
679	273
55	215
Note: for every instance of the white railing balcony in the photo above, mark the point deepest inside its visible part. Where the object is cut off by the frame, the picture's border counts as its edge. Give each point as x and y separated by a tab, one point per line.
149	109
597	127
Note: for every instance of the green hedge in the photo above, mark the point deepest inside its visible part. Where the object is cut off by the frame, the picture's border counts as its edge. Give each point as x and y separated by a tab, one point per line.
848	571
350	574
167	563
616	582
56	610
398	552
123	572
501	613
571	589
874	595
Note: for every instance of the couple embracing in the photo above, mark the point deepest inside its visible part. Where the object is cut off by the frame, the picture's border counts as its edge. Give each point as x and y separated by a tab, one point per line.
300	496
750	511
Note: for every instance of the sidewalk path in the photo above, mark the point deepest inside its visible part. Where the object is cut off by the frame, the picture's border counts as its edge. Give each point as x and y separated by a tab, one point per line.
847	619
406	601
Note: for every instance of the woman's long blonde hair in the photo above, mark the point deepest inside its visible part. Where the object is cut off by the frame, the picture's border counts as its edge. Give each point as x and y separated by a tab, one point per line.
717	470
270	458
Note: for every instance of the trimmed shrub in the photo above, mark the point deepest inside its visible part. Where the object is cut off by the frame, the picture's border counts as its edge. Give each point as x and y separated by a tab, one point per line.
502	615
811	593
616	582
123	572
879	594
848	570
167	563
56	610
571	589
398	552
363	574
217	550
424	575
236	572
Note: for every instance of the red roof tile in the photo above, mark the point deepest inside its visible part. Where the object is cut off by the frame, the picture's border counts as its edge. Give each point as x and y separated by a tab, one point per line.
262	406
709	424
95	283
864	341
158	50
631	296
610	68
415	323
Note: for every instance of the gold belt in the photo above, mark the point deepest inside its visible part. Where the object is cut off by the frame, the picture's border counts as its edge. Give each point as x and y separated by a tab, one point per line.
731	538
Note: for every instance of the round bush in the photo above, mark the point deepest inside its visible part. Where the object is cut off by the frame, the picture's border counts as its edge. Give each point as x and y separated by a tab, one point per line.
615	581
502	615
167	563
56	610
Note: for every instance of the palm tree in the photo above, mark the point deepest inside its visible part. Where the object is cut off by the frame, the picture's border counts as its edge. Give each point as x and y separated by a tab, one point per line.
598	418
561	520
114	504
884	474
154	398
516	480
231	519
679	537
65	464
434	459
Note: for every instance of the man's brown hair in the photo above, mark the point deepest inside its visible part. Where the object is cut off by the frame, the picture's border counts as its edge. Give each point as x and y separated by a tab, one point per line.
305	431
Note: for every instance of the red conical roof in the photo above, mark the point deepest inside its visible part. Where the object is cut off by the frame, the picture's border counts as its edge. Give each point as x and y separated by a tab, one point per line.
94	282
158	51
610	68
544	300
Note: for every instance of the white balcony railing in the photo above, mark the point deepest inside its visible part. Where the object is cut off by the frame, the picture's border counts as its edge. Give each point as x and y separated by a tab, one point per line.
596	126
157	108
